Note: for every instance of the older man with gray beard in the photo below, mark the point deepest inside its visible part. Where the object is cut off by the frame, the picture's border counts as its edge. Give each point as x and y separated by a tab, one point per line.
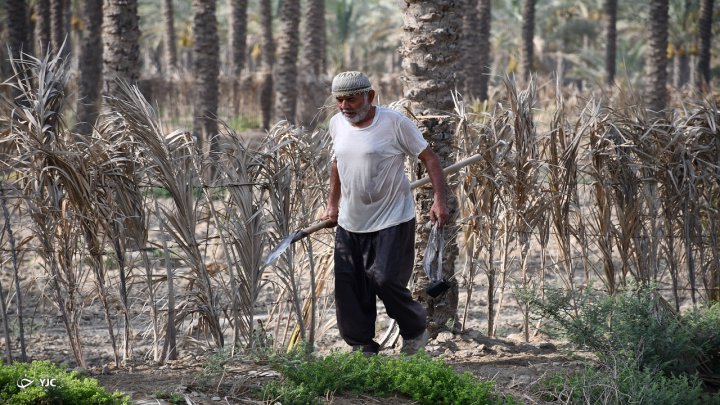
371	201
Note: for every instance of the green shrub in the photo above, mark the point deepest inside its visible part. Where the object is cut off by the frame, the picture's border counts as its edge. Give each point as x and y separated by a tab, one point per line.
624	383
665	356
419	377
637	324
68	387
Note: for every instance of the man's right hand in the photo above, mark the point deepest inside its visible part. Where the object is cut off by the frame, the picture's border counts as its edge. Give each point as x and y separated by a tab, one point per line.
330	213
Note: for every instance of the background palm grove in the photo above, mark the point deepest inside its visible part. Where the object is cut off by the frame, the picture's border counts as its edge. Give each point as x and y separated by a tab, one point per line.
155	151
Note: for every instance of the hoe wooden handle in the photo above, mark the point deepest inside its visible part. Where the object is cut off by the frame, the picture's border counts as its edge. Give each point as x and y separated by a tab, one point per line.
328	223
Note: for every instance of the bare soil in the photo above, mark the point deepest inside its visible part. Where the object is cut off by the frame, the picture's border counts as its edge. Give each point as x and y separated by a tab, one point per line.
515	366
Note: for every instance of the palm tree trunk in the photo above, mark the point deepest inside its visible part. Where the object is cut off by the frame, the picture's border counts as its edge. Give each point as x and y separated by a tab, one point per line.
705	33
57	23
528	33
476	40
42	27
657	61
471	57
90	67
681	68
237	39
121	47
429	85
169	45
610	40
268	59
17	27
238	35
312	81
286	71
206	51
484	49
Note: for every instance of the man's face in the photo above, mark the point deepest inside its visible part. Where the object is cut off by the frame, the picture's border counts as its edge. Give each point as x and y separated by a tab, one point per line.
354	108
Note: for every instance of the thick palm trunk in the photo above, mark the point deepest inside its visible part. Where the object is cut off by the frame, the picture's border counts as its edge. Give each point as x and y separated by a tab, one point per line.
17	27
121	47
471	62
610	40
268	59
42	27
89	66
483	49
313	83
169	44
57	23
705	33
238	35
657	60
681	68
237	39
429	83
476	41
205	66
286	70
528	33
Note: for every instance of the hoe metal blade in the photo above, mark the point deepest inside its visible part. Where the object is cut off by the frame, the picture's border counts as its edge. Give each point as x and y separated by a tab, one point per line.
296	236
281	248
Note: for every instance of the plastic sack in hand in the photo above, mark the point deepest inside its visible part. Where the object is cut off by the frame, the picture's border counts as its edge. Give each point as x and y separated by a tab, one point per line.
432	264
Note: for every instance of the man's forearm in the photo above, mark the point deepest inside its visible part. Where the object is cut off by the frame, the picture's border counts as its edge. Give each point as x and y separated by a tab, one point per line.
334	194
435	172
332	209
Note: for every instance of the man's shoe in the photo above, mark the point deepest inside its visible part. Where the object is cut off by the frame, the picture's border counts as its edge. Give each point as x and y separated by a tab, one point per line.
367	350
412	346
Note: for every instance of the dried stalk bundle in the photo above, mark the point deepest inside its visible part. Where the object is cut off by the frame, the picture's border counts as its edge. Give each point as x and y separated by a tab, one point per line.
174	165
241	219
296	172
65	182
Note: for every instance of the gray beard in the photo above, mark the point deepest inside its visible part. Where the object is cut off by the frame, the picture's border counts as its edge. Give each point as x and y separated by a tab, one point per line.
361	114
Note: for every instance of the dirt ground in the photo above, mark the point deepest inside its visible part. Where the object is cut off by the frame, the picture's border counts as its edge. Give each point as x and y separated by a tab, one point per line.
516	367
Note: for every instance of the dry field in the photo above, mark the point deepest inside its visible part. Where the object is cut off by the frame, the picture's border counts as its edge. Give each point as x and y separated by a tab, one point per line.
133	242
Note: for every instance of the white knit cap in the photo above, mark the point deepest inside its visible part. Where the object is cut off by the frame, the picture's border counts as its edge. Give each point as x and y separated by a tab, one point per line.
350	83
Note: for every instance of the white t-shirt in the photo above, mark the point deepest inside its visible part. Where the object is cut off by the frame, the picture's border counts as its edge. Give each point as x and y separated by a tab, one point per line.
375	192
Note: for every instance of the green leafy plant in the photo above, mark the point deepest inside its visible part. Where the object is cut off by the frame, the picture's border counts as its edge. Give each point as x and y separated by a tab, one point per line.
42	382
635	323
425	380
214	366
647	352
172	397
622	382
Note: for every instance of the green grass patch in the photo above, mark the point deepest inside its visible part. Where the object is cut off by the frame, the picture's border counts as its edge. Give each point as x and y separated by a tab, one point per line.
242	123
172	397
425	380
42	382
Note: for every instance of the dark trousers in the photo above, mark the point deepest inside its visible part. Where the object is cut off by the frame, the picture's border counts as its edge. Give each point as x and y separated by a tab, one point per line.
375	264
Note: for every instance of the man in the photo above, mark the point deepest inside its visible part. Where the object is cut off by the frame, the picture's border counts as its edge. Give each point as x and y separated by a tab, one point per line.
371	200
